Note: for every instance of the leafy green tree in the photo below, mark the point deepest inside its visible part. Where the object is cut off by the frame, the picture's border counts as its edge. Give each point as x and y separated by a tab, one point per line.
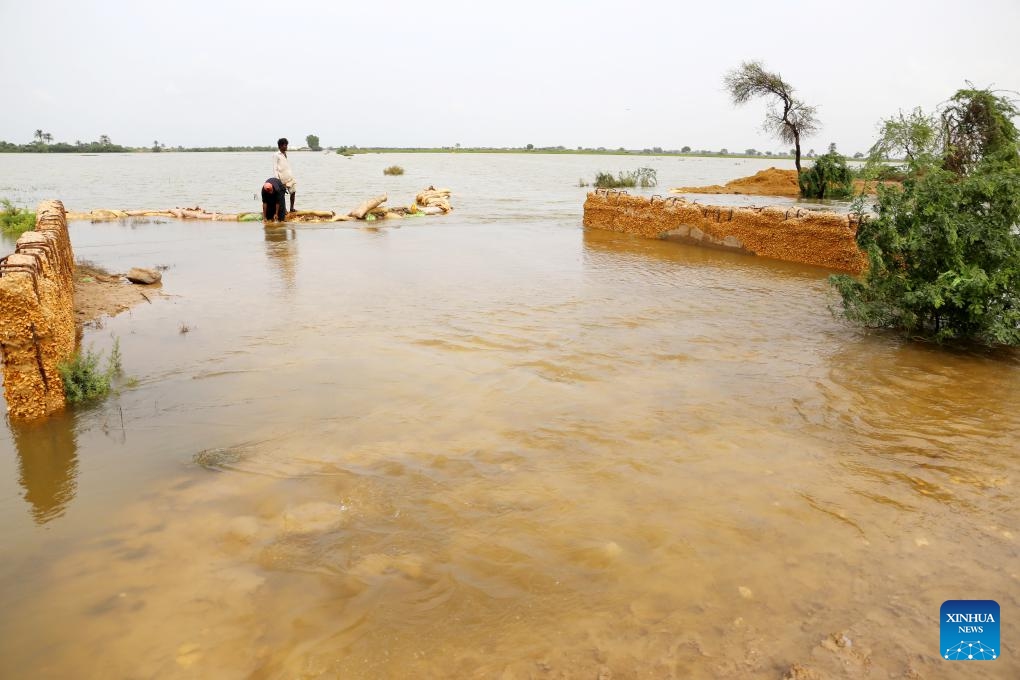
313	143
39	136
787	117
916	137
828	177
944	251
686	149
979	127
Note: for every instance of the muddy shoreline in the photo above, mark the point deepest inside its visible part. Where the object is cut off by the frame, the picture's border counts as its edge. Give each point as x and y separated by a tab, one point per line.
99	293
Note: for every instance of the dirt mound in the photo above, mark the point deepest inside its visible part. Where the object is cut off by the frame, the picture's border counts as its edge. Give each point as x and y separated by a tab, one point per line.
770	182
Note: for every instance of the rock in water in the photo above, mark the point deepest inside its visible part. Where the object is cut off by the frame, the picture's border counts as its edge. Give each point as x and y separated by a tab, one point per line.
143	276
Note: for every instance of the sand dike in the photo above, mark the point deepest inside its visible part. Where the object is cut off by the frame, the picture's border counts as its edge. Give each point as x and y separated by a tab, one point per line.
824	239
37	329
429	201
772	182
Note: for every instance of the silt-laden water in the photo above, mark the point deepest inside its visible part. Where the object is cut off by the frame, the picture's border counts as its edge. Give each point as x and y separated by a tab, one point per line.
491	445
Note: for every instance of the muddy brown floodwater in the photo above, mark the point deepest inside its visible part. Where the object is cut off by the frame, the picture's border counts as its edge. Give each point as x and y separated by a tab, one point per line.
494	445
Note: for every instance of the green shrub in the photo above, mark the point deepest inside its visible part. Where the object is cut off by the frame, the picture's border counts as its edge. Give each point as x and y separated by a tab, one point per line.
944	251
644	177
83	378
393	170
828	177
605	180
14	220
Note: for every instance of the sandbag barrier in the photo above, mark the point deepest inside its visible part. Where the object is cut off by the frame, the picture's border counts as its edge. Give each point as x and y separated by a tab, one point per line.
824	239
429	201
37	329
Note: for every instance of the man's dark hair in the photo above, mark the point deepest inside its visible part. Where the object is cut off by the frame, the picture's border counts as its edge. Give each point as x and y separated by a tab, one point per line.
281	141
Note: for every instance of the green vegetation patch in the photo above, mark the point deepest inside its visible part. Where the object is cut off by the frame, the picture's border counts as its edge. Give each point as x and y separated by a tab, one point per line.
15	220
643	177
393	170
84	380
828	177
944	250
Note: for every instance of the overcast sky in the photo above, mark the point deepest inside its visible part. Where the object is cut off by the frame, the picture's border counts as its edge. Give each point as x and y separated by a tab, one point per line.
387	73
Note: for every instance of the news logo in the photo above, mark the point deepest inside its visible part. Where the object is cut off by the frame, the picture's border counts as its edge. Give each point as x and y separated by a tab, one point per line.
969	630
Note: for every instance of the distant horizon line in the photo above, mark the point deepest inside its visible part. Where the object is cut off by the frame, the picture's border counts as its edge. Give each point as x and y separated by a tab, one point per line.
109	147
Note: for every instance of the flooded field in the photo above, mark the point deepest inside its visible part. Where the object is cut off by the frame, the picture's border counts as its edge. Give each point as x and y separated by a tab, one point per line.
491	445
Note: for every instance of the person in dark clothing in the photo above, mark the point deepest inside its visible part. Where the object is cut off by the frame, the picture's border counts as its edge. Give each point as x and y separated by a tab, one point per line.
274	201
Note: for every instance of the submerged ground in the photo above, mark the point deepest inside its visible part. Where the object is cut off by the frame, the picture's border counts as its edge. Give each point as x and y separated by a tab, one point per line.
495	445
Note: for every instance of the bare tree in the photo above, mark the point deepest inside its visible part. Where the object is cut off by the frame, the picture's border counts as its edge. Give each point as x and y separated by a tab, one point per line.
787	117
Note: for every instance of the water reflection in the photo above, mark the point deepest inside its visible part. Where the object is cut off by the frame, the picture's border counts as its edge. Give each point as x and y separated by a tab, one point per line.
47	464
281	249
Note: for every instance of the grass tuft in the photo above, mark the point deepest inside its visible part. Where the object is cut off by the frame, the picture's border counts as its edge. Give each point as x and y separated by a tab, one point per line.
393	170
15	220
84	380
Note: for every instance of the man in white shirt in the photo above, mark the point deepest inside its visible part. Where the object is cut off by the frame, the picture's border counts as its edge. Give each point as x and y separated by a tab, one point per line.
282	172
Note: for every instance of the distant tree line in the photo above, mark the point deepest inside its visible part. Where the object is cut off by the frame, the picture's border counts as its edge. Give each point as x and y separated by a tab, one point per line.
43	143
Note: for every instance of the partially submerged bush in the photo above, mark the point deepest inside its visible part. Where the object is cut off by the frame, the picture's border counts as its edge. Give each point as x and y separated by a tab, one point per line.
944	251
645	177
828	177
83	378
15	220
393	170
605	180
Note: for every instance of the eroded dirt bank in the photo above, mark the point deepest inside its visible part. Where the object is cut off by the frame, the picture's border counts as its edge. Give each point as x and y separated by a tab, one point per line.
99	293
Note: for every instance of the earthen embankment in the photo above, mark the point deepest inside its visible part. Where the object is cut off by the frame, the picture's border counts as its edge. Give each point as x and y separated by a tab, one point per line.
824	239
37	328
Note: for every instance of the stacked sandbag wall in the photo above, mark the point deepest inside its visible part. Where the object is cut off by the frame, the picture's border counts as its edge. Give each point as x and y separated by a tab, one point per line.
37	314
825	239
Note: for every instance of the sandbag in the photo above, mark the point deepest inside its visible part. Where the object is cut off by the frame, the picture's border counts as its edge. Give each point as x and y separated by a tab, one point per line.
364	208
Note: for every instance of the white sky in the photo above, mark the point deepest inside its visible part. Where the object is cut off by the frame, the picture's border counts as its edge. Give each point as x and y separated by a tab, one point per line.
395	73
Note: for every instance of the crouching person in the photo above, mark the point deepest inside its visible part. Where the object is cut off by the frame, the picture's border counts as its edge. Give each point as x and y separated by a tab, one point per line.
274	201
